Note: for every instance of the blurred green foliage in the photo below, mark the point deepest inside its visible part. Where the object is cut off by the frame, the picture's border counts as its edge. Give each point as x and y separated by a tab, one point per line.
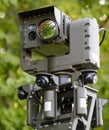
12	111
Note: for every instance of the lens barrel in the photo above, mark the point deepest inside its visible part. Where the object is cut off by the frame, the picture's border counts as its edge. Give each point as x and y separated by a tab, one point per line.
46	29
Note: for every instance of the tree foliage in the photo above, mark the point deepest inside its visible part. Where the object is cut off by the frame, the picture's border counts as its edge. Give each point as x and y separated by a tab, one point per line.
13	111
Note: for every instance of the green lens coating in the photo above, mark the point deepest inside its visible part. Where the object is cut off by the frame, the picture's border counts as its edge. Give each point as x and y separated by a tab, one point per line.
47	29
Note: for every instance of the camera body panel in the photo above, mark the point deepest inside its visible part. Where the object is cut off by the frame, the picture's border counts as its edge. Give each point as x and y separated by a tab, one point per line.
84	48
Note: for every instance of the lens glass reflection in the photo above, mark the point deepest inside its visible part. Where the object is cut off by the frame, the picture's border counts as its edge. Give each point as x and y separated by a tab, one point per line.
47	29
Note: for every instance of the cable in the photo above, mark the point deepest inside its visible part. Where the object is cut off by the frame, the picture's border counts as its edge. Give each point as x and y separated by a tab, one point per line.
103	37
35	95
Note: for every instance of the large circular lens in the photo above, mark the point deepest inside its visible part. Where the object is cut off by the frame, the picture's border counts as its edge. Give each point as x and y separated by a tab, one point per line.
47	29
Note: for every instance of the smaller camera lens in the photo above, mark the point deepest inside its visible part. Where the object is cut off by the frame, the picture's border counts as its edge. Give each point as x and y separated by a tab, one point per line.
22	94
42	81
32	35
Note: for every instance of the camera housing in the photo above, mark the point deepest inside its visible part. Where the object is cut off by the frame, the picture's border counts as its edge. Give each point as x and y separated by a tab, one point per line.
45	31
61	43
67	59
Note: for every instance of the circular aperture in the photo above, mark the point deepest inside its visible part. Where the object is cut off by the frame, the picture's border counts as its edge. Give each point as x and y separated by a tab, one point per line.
32	35
47	29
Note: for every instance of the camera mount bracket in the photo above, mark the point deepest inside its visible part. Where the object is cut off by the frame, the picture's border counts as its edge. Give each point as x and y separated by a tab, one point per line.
53	112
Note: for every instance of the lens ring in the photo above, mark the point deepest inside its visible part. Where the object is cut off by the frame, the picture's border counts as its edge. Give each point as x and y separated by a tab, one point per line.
47	29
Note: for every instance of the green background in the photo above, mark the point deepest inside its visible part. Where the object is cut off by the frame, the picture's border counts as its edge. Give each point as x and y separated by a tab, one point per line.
12	111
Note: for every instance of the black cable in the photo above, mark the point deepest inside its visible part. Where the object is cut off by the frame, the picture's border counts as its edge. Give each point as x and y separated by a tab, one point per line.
35	95
103	37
